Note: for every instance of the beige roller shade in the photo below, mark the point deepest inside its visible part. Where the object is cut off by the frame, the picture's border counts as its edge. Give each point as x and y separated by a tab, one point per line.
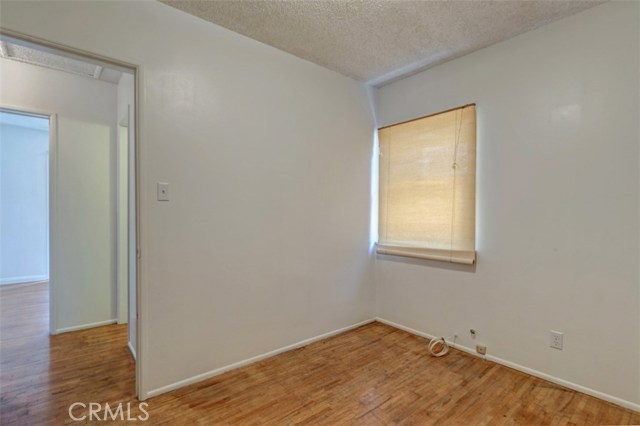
428	187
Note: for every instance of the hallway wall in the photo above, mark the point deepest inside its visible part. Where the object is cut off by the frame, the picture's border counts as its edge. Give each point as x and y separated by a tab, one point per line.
82	259
24	198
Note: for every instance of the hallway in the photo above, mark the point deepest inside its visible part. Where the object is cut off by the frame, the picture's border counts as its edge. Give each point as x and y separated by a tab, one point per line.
41	375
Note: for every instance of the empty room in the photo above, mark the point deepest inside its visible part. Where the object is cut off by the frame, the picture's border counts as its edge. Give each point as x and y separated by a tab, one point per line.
320	212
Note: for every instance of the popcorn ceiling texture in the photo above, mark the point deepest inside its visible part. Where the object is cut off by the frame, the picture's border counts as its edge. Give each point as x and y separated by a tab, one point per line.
379	41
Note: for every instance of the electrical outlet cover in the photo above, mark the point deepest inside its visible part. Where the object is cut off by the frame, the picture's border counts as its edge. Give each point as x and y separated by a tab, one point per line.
556	339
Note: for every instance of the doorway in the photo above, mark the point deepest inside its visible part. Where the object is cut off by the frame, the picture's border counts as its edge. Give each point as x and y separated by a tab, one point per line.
90	238
24	222
24	200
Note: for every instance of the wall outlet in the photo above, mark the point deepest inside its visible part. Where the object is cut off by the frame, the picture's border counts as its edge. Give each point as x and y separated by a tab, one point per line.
556	339
481	349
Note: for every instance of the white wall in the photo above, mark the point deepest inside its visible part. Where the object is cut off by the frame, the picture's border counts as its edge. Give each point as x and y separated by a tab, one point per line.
557	202
83	264
24	202
265	240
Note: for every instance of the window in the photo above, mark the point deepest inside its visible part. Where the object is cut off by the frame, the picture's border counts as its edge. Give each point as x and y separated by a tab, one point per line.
428	187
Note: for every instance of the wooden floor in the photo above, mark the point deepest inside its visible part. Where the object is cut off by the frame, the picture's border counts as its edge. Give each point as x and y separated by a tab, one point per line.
375	375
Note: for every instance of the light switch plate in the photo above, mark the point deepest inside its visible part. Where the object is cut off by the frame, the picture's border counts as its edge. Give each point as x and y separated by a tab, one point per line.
163	191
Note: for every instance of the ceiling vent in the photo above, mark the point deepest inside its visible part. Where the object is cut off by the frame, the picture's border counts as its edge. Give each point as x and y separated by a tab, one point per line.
32	56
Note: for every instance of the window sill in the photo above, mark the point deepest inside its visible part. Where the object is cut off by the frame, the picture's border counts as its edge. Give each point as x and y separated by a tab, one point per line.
451	256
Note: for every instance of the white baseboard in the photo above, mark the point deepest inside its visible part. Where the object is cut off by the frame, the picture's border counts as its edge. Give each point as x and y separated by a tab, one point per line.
592	392
24	279
221	370
85	326
133	352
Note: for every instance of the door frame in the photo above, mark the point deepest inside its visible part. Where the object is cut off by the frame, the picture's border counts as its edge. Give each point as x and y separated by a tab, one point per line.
137	70
122	123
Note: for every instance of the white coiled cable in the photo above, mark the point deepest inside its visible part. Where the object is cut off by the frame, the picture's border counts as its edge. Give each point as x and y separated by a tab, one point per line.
439	347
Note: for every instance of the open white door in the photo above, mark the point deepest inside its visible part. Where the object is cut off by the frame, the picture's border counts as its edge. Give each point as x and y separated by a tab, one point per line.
132	240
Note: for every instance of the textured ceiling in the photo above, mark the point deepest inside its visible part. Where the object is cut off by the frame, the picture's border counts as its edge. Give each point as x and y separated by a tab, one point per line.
32	56
378	41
